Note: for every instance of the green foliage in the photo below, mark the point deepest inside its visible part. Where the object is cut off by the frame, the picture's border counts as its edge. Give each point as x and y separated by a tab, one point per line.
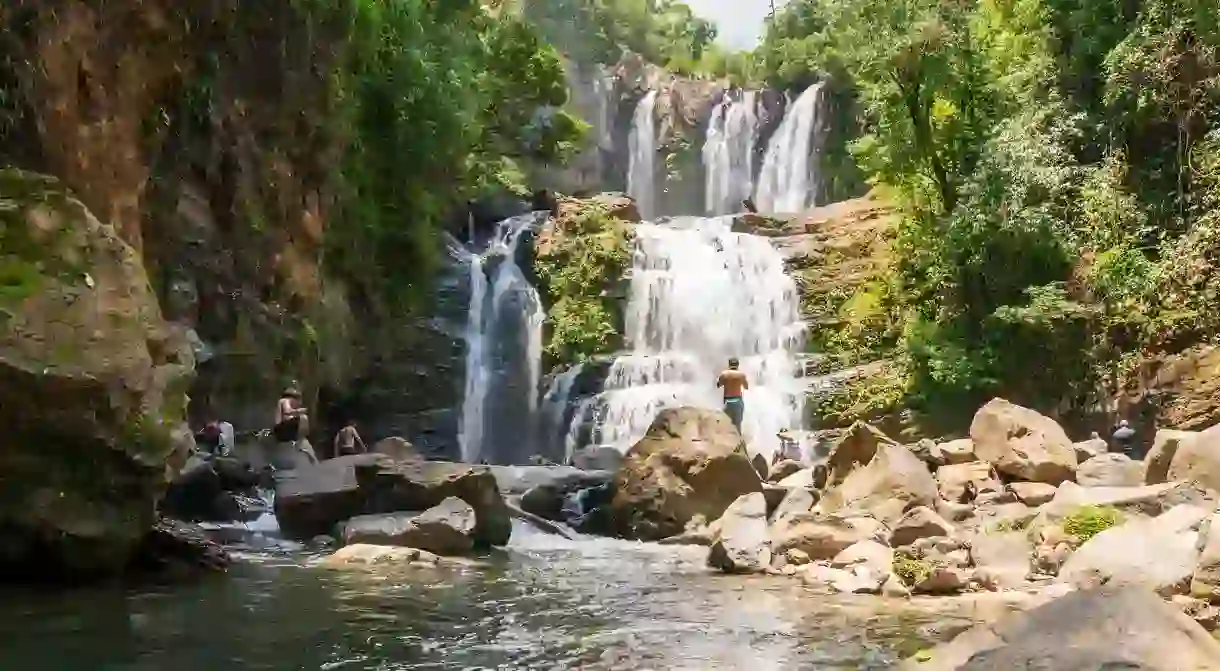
579	270
1087	521
869	396
665	32
910	569
1058	162
437	103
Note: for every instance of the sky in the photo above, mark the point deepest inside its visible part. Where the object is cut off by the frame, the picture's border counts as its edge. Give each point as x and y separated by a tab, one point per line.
740	22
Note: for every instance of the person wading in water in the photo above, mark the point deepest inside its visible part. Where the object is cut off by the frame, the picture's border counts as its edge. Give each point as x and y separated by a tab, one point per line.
734	383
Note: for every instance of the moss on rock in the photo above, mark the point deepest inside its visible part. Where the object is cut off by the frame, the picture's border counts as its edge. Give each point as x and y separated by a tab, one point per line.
581	258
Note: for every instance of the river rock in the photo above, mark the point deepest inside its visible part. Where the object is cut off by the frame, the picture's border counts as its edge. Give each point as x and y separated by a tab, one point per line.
822	536
1001	559
1198	460
1160	457
1033	494
783	469
1159	553
854	449
742	538
93	386
919	522
396	448
446	529
174	550
1087	449
598	458
1110	470
943	580
366	555
893	481
797	500
691	462
870	553
1205	580
1022	443
311	501
1149	500
951	479
1110	627
960	451
548	500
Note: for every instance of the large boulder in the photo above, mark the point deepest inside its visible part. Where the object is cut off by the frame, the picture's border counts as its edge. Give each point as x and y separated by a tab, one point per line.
213	490
960	451
1022	443
740	544
549	499
92	388
855	448
1110	470
691	462
446	529
1160	457
1198	460
892	482
952	480
1087	449
919	522
311	501
1160	553
1205	581
820	536
1001	558
1102	629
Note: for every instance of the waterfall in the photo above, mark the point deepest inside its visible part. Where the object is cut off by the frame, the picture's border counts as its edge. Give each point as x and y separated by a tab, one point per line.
555	410
699	295
728	154
642	143
503	350
789	178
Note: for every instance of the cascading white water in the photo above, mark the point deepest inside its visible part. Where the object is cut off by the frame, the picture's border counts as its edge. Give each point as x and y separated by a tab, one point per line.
642	144
555	409
701	294
504	350
788	181
728	154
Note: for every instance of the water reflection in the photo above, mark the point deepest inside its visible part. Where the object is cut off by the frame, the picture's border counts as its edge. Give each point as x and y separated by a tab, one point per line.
545	604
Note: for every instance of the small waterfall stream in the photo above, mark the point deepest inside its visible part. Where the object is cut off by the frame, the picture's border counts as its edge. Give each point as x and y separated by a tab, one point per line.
789	178
504	349
642	173
728	154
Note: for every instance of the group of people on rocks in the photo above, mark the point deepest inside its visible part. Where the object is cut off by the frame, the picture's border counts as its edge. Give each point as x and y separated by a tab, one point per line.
291	423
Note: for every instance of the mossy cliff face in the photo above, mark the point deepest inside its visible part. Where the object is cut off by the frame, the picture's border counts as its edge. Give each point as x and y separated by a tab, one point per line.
92	388
581	259
201	133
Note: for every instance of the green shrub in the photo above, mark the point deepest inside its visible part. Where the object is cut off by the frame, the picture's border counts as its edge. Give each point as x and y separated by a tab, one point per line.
1088	521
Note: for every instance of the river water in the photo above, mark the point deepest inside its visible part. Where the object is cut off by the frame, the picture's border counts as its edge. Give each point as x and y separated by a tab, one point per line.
543	603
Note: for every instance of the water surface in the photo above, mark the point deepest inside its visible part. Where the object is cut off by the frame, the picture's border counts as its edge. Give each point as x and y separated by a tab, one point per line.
545	603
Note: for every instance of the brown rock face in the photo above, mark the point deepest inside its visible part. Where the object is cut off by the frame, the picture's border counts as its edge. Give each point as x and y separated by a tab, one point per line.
853	450
92	388
1198	459
1160	457
691	462
1022	443
892	482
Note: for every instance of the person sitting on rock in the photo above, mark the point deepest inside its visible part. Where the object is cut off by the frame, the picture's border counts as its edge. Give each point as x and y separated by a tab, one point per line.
209	439
348	440
290	417
734	383
789	448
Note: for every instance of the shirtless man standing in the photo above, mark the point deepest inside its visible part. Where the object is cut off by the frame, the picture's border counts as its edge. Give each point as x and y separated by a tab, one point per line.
734	383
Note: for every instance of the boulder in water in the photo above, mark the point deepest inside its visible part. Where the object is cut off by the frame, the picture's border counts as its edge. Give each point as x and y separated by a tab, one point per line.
740	544
175	550
396	448
1022	443
691	462
549	499
893	481
93	386
598	458
446	529
312	500
379	555
1111	627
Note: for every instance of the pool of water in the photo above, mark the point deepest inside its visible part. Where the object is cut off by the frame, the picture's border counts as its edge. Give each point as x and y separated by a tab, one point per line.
543	603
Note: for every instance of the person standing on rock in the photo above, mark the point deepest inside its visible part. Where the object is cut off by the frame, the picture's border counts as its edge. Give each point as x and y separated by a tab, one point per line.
348	440
1122	439
734	383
